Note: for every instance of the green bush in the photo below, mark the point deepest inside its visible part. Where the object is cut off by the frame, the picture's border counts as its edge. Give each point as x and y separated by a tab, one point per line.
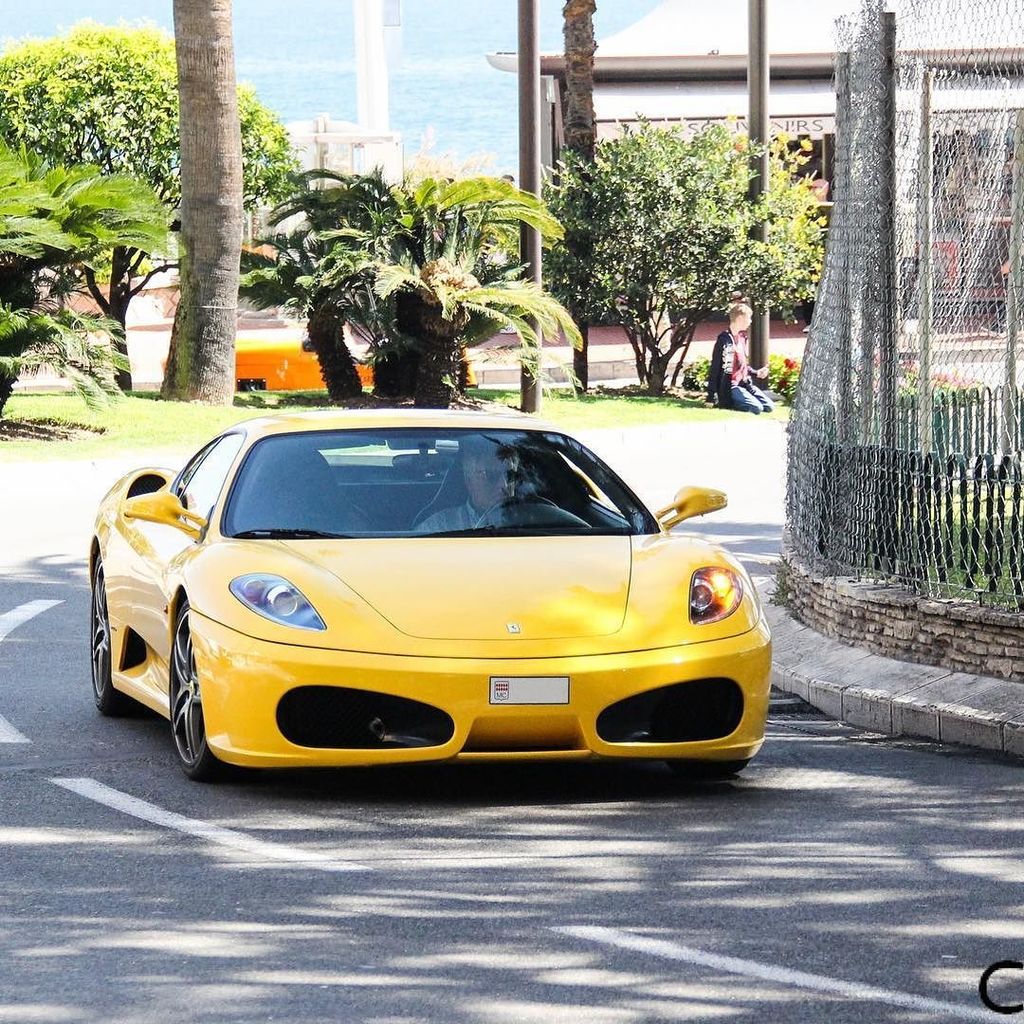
695	375
783	376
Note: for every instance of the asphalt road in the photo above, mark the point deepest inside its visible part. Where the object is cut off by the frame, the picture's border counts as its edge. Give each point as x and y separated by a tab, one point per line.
842	878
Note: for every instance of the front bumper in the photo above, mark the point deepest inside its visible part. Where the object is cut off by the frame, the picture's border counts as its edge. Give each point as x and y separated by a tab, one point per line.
244	679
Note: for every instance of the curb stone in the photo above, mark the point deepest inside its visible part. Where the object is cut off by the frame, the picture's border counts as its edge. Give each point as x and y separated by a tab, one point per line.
891	697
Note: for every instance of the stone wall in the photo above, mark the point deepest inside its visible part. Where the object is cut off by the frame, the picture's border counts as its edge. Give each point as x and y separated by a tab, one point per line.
899	624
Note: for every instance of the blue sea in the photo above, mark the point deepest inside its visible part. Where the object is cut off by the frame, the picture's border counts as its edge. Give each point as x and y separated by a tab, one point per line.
299	56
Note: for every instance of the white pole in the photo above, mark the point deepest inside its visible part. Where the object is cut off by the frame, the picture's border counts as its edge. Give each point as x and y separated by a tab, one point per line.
1014	284
371	66
926	273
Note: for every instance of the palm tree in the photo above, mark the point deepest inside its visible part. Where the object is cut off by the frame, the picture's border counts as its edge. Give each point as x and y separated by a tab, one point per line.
580	130
444	263
54	221
200	365
288	274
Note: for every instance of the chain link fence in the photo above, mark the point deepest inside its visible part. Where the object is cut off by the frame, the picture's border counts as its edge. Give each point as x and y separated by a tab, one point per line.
905	459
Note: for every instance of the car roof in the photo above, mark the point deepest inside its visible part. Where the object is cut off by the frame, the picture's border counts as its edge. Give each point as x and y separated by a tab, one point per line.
354	419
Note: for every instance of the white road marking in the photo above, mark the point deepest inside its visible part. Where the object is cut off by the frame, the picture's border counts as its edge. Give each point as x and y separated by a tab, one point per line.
8	734
9	622
769	972
126	804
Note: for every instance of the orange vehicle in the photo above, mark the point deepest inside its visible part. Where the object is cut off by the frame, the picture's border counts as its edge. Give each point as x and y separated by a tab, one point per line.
290	364
282	364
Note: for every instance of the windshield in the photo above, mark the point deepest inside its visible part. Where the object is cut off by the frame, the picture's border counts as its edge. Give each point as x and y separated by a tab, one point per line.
411	482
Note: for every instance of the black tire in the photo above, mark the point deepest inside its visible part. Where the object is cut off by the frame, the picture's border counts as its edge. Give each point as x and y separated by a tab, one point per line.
188	728
109	702
706	771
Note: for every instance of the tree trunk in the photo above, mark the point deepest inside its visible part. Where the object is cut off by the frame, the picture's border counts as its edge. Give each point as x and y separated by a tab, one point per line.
337	367
580	135
639	356
396	369
6	389
115	303
439	349
394	374
657	370
201	363
437	381
464	369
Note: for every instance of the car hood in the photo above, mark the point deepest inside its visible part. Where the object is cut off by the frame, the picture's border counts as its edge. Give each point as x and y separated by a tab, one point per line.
494	588
457	597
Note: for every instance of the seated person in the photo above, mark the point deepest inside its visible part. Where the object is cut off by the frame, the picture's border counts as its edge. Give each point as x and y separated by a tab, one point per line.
730	383
487	486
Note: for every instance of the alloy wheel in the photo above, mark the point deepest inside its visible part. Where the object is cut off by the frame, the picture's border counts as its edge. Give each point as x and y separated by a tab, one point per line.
100	633
187	712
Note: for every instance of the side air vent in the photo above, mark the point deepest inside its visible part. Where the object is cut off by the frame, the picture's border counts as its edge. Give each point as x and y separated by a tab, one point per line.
133	653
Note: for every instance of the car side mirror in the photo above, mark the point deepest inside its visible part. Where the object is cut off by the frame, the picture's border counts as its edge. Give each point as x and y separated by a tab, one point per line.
164	508
690	502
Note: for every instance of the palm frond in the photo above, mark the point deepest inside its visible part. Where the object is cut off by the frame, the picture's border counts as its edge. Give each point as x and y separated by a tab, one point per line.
70	215
392	277
525	300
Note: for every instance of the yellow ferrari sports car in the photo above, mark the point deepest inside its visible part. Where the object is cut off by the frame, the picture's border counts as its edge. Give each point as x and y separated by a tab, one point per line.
359	588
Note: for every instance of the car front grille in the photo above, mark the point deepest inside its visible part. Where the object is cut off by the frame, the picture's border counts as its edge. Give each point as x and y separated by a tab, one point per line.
704	709
340	717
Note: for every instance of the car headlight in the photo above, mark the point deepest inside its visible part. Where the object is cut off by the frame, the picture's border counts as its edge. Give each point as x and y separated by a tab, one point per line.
276	599
714	594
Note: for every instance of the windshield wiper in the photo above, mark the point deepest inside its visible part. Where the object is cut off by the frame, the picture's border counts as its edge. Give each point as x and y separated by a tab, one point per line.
289	534
469	531
526	530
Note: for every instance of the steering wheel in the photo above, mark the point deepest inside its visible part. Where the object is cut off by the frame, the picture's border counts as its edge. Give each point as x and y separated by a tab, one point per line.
529	510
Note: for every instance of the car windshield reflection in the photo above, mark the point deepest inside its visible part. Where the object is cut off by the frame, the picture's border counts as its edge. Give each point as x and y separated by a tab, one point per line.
406	482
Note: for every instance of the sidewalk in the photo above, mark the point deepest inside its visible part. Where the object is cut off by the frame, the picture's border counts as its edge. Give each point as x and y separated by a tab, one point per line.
895	698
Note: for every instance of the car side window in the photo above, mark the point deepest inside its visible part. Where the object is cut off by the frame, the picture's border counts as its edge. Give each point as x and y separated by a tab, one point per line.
201	482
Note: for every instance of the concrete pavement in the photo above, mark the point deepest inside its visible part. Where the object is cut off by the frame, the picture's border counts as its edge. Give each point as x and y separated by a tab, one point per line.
839	879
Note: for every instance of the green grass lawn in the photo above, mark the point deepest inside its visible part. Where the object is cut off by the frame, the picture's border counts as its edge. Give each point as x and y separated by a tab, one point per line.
143	423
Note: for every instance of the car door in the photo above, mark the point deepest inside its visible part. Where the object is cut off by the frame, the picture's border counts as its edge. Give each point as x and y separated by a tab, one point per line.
155	545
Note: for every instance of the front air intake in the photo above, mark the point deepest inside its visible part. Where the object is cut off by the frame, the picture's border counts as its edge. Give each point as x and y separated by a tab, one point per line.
340	717
705	709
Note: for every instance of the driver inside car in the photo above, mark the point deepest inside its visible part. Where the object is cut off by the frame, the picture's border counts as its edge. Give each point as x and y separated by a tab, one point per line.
489	483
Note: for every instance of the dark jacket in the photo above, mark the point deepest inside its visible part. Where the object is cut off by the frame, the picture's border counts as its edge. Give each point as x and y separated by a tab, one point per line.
720	375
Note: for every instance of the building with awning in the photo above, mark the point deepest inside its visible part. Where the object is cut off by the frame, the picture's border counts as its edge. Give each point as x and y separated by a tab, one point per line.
685	63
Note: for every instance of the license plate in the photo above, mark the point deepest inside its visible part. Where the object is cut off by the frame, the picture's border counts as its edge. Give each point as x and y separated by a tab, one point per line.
529	689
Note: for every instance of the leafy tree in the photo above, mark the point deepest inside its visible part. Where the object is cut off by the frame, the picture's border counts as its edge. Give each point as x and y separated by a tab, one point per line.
429	271
669	222
53	220
109	97
200	364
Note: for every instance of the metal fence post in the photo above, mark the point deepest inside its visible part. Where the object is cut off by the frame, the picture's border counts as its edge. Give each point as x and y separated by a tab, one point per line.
759	132
926	269
887	368
1010	424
